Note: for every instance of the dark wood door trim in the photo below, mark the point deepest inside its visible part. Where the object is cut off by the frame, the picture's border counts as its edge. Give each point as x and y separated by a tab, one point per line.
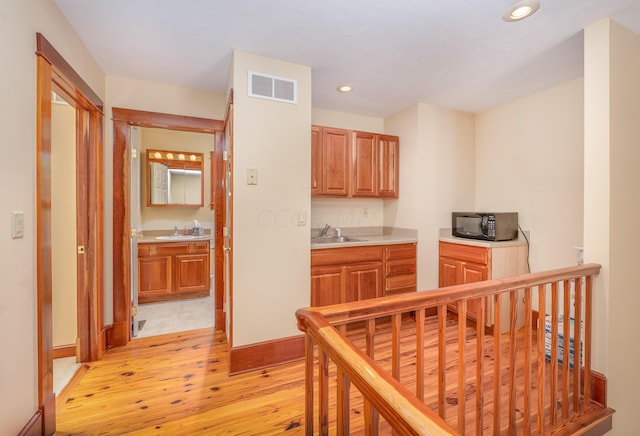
123	119
53	72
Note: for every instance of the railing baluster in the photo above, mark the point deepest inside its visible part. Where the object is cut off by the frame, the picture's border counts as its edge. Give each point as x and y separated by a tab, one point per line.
480	366
528	327
587	341
513	300
462	334
308	381
497	299
542	298
323	413
554	353
566	348
371	416
420	354
396	323
342	406
442	359
577	348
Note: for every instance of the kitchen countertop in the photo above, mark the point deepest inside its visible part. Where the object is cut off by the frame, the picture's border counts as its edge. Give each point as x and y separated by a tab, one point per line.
446	236
371	236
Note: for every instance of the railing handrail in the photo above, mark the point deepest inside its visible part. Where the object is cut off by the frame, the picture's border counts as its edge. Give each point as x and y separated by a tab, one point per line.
337	314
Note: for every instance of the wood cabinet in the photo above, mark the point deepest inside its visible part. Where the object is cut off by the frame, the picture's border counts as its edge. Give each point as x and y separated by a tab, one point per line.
462	263
173	270
347	163
342	275
330	158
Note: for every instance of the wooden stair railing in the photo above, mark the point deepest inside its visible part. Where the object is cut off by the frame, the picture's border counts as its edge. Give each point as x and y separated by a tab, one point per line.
415	373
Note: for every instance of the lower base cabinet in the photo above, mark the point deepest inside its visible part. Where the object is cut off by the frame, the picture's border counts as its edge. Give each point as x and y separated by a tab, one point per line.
462	263
173	270
343	275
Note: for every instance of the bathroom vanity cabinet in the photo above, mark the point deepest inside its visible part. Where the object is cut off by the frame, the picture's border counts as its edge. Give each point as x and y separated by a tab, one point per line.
173	270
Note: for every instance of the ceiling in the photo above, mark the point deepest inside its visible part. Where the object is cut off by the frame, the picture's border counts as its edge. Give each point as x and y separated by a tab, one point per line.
458	54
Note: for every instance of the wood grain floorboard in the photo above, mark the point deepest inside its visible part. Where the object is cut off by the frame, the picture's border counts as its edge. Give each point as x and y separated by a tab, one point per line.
178	384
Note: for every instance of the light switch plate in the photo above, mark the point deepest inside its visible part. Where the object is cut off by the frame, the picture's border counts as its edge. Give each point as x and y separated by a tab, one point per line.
301	218
17	224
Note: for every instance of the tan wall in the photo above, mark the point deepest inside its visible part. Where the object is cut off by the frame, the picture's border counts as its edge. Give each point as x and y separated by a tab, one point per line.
436	177
19	22
612	189
270	252
529	159
63	223
166	218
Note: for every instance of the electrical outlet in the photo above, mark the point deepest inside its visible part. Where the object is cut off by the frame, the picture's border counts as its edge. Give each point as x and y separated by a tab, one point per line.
252	176
301	218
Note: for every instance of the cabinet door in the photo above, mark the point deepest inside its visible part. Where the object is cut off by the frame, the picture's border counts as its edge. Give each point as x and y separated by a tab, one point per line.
192	272
336	145
364	165
327	285
449	272
154	276
364	281
316	161
388	163
474	273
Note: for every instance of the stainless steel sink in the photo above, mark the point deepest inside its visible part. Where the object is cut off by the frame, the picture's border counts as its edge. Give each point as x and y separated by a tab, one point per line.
334	239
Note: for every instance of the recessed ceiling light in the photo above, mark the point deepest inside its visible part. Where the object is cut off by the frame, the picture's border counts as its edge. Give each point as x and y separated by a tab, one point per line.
521	10
345	88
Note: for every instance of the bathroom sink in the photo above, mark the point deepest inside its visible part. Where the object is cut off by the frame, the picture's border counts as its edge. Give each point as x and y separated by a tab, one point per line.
334	239
177	237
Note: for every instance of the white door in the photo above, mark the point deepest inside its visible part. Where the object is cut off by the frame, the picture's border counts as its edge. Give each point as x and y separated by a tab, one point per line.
134	226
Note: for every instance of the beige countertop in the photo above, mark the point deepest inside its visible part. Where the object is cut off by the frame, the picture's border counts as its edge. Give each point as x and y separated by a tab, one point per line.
160	237
445	236
371	236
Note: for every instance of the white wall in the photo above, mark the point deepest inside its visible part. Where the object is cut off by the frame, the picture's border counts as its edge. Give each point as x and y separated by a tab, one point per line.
529	159
64	256
612	189
270	252
436	177
19	22
153	97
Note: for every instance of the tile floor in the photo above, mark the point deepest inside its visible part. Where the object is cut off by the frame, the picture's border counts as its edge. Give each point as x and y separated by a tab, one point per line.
176	316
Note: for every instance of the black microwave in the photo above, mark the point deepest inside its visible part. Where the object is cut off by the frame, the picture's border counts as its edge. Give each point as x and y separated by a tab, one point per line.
488	226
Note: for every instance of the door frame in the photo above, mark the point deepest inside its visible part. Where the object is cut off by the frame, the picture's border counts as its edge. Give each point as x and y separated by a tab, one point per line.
123	119
54	73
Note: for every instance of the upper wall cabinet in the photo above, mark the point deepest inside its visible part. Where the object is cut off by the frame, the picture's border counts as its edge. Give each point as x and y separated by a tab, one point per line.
330	156
353	164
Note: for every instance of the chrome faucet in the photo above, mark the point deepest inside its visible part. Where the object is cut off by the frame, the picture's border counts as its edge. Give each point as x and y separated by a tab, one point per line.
175	231
325	230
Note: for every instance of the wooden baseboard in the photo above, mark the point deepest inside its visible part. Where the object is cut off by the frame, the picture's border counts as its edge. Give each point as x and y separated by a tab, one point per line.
34	426
61	351
265	354
118	335
49	415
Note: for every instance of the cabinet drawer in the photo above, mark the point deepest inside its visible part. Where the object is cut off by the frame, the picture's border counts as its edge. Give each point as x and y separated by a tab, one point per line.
144	250
401	266
400	282
173	248
468	253
401	251
333	256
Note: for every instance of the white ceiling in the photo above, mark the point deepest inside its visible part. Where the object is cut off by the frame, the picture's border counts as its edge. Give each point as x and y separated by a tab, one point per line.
452	53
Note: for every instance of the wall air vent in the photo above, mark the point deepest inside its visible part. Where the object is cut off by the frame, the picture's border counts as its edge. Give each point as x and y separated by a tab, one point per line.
273	88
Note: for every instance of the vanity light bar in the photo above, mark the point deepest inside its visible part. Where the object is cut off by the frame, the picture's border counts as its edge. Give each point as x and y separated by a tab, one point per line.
174	155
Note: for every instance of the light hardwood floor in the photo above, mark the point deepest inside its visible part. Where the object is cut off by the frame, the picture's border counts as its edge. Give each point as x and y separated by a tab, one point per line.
177	384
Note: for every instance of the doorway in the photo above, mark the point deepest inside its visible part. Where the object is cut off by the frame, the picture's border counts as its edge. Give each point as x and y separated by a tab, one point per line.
54	74
123	120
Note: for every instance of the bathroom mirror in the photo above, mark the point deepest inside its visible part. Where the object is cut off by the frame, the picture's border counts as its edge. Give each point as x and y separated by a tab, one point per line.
175	178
